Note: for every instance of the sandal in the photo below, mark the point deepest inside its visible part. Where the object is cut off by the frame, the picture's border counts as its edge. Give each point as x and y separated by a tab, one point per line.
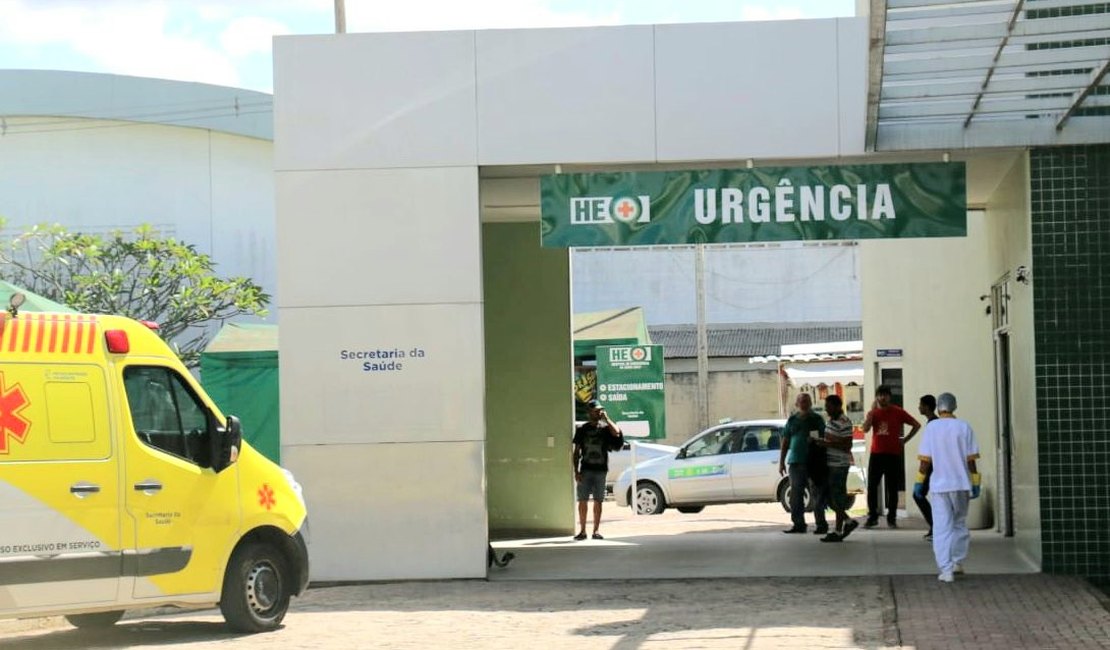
579	537
598	536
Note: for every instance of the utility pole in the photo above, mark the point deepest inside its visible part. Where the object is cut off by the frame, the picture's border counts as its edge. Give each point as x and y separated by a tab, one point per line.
340	17
703	338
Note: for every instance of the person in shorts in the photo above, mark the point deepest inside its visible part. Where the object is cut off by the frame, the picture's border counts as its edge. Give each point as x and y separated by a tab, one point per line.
593	440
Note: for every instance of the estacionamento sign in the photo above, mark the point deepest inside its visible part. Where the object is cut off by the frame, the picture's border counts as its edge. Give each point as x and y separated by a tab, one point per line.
630	387
893	201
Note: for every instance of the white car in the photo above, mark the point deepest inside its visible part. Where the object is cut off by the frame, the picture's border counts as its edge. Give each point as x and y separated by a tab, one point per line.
736	462
621	460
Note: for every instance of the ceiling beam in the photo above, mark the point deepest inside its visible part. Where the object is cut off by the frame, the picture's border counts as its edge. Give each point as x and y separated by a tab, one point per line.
936	88
876	43
1060	29
990	71
1068	57
1095	79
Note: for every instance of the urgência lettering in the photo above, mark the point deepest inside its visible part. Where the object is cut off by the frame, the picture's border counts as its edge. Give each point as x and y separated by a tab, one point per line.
788	204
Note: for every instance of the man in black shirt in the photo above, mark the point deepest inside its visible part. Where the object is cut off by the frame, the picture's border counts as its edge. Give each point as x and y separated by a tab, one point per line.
593	440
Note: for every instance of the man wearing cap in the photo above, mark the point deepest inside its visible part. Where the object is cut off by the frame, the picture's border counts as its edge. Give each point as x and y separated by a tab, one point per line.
593	440
949	450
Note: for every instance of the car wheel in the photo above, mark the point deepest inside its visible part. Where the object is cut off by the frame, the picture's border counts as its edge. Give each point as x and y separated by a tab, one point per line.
691	510
256	588
98	619
649	499
782	493
784	496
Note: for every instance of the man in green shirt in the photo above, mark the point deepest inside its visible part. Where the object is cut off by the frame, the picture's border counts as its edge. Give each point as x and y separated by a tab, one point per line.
801	427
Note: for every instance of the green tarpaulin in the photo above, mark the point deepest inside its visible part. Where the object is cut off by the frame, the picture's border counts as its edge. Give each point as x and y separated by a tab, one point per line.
239	370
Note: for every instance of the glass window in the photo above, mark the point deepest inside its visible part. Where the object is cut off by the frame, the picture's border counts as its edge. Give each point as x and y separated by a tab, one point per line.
166	414
711	444
762	438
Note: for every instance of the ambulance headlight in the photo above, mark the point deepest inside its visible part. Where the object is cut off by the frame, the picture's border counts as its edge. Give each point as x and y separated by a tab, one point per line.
293	484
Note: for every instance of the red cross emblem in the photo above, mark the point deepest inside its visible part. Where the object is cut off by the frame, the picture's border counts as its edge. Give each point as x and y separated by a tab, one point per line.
266	496
12	401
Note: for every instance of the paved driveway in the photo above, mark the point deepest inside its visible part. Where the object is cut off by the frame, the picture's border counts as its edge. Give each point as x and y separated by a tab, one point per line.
752	588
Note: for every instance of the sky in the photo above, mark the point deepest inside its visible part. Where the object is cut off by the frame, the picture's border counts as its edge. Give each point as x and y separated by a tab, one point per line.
228	42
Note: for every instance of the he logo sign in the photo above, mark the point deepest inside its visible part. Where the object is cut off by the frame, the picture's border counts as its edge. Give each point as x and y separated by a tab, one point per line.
590	210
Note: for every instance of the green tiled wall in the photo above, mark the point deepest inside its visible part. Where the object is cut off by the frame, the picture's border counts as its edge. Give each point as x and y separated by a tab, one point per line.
1070	205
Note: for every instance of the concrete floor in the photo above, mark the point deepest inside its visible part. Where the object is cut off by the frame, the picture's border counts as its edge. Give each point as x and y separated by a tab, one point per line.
741	541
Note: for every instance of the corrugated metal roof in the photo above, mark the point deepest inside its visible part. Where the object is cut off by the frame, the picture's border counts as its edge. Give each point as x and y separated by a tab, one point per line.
749	339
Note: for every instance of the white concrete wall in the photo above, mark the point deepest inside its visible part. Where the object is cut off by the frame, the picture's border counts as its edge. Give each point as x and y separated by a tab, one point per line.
378	233
787	89
378	213
922	296
207	188
790	89
1009	226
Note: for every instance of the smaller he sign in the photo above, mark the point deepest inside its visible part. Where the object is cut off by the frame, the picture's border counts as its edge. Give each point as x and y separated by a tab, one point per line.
630	387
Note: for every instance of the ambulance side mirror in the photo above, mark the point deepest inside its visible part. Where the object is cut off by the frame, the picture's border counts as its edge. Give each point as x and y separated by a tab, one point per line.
226	444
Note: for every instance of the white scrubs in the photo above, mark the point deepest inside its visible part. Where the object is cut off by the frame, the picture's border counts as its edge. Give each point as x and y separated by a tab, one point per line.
950	534
949	443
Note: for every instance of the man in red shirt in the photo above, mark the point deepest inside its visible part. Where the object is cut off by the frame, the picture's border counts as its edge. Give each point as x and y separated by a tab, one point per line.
886	421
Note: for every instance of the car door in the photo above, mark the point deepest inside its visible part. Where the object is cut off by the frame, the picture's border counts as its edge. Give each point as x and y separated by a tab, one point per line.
182	514
755	468
703	474
59	488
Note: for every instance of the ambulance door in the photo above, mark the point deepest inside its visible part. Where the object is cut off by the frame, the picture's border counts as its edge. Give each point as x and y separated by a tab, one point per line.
59	488
183	516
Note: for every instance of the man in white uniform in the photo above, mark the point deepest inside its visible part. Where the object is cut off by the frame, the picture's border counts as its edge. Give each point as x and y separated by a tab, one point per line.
950	449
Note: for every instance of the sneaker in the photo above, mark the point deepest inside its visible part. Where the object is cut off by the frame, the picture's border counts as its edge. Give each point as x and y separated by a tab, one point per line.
928	536
794	530
832	537
598	536
579	537
821	530
848	528
959	570
946	577
891	523
871	522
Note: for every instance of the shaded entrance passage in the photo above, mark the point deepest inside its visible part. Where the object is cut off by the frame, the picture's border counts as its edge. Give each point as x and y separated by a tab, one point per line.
741	541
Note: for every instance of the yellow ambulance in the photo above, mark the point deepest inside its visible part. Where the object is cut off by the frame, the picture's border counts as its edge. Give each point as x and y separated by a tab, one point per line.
123	486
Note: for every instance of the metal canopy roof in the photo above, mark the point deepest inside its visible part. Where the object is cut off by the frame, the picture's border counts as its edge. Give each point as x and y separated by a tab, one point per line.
948	74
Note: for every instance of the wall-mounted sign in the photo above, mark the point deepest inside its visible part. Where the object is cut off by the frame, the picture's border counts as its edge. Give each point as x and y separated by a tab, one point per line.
754	205
888	353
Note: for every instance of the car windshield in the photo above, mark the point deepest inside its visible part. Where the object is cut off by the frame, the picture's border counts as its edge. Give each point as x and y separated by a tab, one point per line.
709	443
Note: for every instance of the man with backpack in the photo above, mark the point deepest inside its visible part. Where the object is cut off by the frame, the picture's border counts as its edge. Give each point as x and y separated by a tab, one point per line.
593	440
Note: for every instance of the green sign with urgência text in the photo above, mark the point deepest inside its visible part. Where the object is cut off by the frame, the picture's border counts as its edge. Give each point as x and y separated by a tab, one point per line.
768	204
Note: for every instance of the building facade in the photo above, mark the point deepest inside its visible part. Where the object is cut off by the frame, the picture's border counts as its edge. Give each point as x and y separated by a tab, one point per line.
413	191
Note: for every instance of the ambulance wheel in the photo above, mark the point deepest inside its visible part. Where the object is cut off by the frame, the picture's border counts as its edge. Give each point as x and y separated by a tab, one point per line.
98	619
256	588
